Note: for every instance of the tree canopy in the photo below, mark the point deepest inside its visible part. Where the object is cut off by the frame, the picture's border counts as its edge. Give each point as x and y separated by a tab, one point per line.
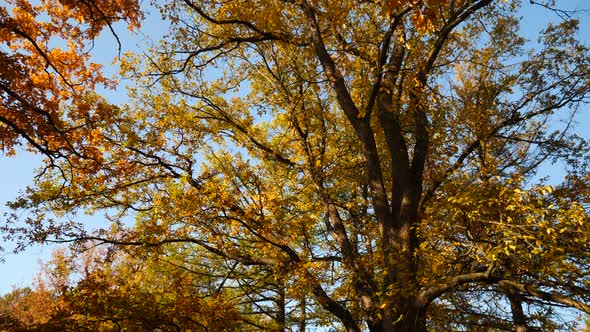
367	165
104	290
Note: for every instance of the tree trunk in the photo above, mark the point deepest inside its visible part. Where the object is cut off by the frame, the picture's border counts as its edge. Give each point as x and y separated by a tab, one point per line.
302	314
518	316
281	312
412	319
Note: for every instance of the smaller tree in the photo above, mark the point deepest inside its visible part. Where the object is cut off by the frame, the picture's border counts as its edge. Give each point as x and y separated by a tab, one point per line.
115	291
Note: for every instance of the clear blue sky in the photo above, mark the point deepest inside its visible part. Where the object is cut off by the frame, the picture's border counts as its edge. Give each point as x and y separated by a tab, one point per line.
17	172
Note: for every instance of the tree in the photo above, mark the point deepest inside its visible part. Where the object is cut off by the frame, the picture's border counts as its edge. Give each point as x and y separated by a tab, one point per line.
376	162
104	290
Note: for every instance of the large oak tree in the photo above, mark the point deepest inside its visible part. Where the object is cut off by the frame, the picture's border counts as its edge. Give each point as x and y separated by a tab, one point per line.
370	163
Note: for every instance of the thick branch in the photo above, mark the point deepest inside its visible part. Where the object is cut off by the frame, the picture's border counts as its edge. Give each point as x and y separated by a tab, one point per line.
443	35
429	295
359	121
334	307
421	148
518	316
547	296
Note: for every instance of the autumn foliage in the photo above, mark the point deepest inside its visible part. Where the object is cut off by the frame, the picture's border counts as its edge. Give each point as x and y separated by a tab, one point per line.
363	165
47	77
97	291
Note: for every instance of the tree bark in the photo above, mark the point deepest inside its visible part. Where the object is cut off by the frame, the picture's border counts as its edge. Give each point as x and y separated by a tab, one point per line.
281	312
302	314
406	316
518	316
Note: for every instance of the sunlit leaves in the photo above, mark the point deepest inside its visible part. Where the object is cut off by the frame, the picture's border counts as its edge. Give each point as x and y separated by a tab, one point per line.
46	71
101	290
365	159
